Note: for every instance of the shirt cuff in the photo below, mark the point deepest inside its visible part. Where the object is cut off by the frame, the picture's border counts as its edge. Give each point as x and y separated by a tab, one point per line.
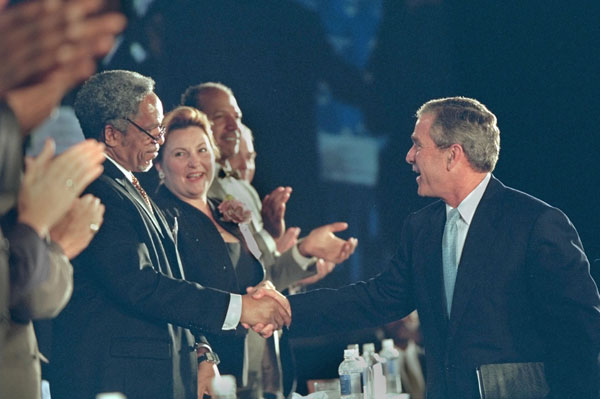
234	312
300	259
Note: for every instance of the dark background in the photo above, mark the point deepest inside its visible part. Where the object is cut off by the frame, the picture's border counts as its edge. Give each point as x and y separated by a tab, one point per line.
535	64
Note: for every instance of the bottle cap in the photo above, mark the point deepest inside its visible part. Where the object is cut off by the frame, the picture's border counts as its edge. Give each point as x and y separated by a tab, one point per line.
350	353
368	347
387	343
353	346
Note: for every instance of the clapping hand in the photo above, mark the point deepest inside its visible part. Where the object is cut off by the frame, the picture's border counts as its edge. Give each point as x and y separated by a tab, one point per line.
273	211
322	243
76	229
288	239
50	185
43	36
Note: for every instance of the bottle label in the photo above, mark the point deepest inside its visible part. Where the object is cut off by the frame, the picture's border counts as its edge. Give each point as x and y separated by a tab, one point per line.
350	384
391	367
346	384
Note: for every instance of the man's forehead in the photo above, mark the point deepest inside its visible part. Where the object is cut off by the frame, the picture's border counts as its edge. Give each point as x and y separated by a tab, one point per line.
151	106
220	100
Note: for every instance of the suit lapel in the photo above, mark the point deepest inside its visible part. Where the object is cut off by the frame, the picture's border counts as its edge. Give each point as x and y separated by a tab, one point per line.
138	198
232	228
112	171
478	244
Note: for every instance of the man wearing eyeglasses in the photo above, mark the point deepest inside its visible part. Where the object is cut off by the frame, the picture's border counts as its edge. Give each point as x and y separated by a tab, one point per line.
133	320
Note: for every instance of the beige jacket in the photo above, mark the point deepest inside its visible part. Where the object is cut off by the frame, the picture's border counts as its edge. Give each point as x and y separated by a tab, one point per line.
20	373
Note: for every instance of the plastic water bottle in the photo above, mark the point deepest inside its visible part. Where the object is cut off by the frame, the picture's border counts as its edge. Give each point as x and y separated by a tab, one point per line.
376	385
365	371
392	366
350	372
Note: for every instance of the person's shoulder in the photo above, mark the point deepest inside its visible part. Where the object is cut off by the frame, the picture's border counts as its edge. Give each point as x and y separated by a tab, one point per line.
105	187
521	201
525	207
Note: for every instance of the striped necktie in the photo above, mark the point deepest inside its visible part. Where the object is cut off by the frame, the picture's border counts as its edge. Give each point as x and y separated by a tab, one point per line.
449	255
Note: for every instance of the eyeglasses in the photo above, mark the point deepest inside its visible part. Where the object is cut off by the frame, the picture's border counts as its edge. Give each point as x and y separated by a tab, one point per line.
161	131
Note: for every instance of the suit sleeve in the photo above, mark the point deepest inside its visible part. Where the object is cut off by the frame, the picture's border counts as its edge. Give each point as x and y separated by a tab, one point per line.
128	261
568	303
53	294
29	260
384	298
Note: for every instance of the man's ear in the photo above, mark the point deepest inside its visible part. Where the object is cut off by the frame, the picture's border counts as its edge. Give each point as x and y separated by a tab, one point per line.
455	154
112	136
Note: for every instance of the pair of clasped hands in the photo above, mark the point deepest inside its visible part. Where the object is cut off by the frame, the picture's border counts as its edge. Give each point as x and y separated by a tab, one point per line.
265	310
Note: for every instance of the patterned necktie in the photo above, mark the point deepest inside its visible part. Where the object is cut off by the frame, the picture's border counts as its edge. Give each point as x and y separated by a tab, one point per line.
138	186
449	255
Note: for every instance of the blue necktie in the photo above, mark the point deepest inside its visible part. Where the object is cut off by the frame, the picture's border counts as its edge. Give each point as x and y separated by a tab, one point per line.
449	255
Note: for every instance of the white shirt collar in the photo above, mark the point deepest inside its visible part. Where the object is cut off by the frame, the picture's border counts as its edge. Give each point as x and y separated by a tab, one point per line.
127	173
468	206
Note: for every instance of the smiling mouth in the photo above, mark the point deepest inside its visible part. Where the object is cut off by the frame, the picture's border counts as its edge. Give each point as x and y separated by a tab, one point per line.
196	175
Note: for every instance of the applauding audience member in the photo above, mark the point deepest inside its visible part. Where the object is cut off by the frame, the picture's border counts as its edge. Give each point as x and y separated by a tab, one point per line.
41	279
243	164
46	48
268	223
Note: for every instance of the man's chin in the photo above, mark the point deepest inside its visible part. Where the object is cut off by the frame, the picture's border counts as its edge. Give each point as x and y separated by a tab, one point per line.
422	192
145	167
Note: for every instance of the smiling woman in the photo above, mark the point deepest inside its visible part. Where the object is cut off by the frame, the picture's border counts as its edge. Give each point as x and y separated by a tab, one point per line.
187	159
186	164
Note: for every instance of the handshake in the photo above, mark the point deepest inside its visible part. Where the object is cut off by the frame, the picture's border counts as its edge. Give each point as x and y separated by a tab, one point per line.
264	309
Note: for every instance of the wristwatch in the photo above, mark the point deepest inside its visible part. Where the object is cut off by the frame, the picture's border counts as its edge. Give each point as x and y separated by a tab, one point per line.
210	357
205	353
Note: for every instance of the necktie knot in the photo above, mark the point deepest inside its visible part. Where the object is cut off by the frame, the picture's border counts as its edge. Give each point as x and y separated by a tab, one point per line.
453	216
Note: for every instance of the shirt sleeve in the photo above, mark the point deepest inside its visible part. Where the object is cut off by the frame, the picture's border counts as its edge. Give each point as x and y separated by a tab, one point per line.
302	261
234	312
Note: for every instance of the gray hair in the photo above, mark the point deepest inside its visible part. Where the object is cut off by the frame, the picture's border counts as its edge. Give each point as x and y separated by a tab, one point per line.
465	121
194	95
108	97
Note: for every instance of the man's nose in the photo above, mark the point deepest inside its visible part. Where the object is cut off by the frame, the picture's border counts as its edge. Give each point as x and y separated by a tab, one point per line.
234	124
410	155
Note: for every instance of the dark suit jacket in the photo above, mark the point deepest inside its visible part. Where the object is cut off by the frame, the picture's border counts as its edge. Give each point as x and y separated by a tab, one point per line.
206	261
523	293
122	330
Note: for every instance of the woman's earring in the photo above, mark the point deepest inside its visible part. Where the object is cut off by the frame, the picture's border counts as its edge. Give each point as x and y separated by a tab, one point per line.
161	175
